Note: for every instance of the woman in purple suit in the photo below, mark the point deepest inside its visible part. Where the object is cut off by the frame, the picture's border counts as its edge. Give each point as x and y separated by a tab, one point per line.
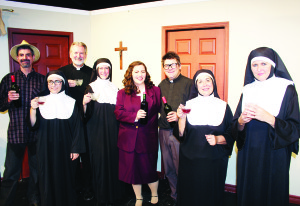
138	143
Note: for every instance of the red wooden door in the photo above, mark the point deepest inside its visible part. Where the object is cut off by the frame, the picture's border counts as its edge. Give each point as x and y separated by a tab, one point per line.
200	48
54	49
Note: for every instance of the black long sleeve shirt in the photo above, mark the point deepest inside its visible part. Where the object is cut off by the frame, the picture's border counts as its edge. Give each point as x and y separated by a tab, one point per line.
176	92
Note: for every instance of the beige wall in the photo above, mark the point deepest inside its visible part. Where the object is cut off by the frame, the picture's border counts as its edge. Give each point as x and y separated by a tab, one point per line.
252	23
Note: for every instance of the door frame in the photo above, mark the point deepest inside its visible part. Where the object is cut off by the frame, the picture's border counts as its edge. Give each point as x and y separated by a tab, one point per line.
11	31
225	25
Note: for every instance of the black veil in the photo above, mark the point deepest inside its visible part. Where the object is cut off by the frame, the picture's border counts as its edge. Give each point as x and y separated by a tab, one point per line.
65	86
279	70
194	90
95	72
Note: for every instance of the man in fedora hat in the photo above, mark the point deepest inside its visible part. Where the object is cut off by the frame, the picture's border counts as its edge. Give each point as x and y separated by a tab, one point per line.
18	135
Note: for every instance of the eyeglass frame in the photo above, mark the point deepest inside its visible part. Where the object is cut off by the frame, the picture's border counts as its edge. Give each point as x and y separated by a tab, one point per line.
56	82
170	65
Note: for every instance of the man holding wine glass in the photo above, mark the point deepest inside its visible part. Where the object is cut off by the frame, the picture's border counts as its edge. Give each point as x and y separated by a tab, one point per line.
175	90
79	75
16	91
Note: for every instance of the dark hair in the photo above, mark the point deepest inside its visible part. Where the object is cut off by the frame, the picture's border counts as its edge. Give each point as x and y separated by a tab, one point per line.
24	47
129	85
171	55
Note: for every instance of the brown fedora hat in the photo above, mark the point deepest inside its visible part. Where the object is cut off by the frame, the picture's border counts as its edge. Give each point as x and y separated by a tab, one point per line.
36	51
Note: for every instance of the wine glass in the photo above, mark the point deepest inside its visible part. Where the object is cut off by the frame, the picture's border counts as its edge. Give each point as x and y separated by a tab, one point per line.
95	96
41	100
79	82
186	109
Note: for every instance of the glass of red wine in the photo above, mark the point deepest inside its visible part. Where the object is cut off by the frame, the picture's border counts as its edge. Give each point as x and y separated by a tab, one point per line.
186	109
41	100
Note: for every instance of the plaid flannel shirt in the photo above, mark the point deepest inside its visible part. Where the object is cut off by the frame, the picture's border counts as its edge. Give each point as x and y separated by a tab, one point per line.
30	86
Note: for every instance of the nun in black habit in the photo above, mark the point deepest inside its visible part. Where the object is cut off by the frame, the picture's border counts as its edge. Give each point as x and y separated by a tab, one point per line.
102	132
59	140
266	128
206	144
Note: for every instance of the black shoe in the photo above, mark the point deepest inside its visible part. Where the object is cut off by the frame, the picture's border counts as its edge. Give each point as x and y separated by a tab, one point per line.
149	203
170	202
34	204
87	196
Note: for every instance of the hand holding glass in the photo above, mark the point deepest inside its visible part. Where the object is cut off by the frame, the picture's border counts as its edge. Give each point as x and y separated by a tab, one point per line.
41	100
95	96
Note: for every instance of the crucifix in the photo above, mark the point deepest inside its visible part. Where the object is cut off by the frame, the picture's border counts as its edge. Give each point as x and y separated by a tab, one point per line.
120	50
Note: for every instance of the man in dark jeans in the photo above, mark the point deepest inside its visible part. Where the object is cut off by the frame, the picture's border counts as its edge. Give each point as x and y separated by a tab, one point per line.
176	89
74	72
18	135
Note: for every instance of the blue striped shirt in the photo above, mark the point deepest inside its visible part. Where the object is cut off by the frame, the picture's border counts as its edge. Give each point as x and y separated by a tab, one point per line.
30	86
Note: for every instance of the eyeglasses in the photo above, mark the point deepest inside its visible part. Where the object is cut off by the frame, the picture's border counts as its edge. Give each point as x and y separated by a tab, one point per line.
56	82
173	66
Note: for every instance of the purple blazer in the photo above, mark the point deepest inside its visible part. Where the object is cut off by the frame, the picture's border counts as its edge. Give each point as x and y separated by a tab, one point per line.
134	136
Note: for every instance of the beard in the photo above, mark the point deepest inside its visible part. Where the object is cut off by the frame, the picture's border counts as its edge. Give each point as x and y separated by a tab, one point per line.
25	64
78	62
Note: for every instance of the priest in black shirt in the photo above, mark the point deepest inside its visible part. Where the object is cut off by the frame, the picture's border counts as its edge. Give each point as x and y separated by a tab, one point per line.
176	89
79	75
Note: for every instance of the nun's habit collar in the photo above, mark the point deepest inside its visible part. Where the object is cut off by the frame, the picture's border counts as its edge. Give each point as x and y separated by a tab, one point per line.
104	90
205	110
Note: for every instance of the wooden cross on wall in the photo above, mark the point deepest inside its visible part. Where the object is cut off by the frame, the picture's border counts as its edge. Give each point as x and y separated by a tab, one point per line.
120	50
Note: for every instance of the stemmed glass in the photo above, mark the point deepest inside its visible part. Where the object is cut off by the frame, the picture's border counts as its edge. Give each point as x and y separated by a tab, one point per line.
95	96
41	100
186	109
79	82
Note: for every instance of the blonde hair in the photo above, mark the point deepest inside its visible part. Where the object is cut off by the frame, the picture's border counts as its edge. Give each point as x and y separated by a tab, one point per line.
79	44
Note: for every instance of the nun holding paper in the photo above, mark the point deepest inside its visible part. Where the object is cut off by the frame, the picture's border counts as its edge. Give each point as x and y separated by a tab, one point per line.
206	143
266	128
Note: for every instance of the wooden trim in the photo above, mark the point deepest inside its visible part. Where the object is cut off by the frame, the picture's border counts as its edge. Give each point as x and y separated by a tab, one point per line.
293	198
166	29
11	31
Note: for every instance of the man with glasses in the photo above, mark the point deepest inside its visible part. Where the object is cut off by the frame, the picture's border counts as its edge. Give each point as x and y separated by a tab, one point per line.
79	75
176	89
18	134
